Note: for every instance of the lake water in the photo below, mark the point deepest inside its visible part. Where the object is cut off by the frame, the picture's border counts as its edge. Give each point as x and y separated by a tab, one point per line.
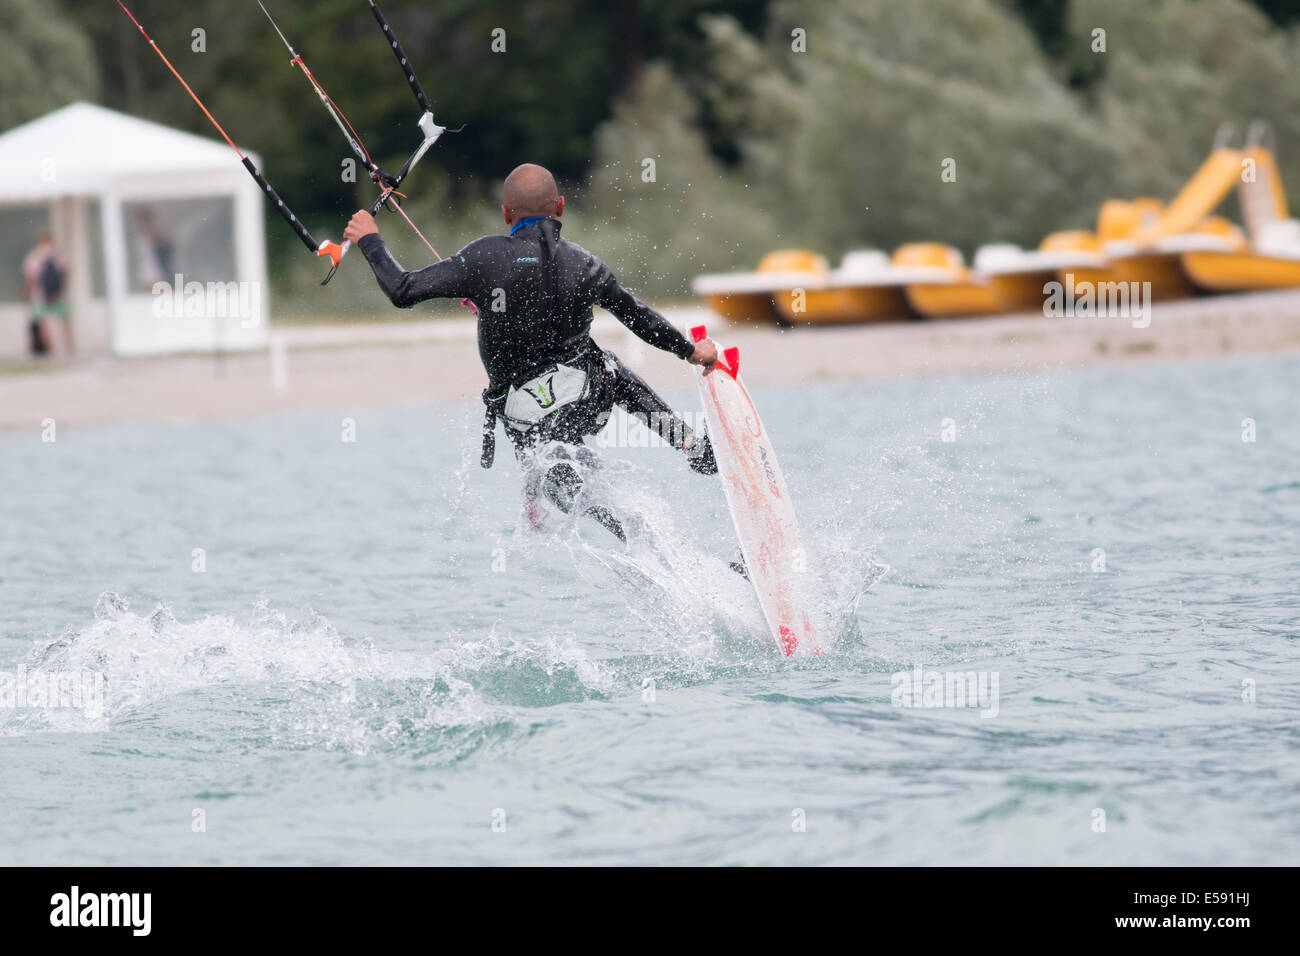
370	660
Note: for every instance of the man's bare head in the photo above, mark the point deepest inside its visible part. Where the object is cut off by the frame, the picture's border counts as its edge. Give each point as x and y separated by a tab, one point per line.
530	191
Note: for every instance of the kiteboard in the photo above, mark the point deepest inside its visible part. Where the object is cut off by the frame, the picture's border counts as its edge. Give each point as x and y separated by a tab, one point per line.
759	502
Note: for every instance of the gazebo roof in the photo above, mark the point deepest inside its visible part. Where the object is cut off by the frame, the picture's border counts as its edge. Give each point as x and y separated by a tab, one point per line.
92	147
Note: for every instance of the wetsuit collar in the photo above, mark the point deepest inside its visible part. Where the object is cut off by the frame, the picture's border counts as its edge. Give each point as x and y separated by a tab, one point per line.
525	223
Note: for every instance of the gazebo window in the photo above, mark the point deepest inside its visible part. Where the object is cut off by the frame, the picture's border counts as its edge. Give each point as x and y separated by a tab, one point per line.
19	226
190	237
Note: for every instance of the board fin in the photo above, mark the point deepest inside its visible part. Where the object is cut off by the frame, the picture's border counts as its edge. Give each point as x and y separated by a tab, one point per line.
789	643
732	366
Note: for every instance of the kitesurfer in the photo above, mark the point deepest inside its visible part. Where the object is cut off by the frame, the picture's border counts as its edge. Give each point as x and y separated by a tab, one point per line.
548	381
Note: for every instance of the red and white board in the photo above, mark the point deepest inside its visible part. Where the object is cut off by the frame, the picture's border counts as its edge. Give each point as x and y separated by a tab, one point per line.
759	502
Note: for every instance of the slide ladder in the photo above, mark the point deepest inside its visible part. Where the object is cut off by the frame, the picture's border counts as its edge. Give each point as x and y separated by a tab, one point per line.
1260	192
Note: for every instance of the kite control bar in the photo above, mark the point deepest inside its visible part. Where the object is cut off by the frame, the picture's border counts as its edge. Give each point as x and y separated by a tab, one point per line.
387	184
332	250
430	132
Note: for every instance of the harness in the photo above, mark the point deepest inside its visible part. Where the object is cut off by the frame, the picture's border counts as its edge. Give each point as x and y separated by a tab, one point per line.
530	407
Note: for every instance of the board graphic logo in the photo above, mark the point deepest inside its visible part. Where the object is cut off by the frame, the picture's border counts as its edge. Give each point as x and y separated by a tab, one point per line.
545	392
768	472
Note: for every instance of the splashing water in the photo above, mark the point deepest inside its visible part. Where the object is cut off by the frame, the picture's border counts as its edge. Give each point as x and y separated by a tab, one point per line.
686	595
327	690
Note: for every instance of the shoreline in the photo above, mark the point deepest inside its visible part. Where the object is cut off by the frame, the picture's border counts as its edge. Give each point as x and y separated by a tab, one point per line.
412	362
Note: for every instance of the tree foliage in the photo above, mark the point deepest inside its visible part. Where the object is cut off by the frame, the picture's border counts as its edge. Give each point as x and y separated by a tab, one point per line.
1176	70
46	61
754	145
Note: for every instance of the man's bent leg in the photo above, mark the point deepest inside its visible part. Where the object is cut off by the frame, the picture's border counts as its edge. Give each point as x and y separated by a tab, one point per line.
561	486
645	405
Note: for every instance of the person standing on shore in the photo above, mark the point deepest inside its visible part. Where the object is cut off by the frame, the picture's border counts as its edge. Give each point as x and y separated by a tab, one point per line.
45	274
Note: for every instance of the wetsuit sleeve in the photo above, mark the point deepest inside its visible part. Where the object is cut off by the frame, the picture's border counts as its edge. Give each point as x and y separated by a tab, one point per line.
647	324
447	279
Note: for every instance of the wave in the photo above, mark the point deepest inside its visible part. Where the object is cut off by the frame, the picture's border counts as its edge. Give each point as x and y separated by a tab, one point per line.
312	686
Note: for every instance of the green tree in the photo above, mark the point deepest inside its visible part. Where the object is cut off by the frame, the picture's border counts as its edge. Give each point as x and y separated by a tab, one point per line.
1175	70
884	94
46	61
659	207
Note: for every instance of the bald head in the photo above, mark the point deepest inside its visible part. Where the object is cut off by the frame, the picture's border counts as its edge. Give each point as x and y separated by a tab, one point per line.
530	191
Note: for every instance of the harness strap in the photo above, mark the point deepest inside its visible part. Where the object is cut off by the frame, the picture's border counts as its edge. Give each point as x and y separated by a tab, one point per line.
586	358
489	450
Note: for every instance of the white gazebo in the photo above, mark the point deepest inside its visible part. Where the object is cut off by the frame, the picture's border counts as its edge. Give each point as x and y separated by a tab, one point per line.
129	200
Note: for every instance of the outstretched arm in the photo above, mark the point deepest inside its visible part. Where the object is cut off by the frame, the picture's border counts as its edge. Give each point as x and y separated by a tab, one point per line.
445	279
651	327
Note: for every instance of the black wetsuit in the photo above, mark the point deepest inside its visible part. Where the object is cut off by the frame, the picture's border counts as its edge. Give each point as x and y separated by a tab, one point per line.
535	292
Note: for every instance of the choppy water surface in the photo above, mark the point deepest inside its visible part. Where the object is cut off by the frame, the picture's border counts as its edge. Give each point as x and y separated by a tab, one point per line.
377	662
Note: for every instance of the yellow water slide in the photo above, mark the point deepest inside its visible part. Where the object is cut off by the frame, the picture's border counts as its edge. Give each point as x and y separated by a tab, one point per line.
1209	186
1271	260
1144	240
